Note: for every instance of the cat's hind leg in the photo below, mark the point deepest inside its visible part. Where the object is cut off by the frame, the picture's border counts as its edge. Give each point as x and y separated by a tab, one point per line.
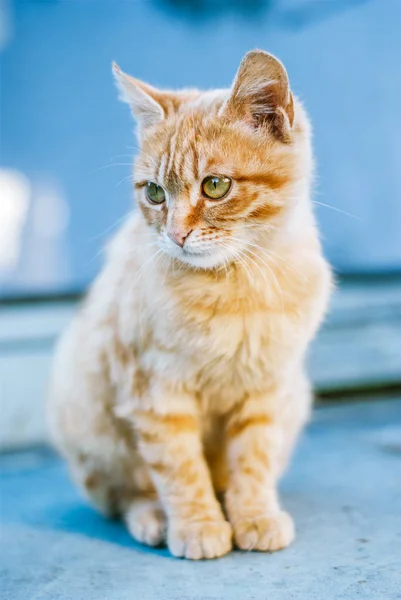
125	492
146	520
104	488
114	495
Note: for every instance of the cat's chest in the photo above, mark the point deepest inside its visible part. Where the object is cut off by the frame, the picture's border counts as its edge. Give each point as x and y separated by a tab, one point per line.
227	356
241	358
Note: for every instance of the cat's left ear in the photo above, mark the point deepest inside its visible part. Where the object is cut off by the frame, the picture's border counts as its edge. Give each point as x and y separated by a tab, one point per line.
143	99
261	94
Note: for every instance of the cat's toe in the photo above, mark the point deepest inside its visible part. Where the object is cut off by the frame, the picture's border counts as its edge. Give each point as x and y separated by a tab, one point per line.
146	523
266	532
203	539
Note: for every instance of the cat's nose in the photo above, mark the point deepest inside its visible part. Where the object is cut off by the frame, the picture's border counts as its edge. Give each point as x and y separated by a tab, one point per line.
178	236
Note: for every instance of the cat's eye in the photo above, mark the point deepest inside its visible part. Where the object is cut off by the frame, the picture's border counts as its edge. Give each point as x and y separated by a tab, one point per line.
155	193
216	187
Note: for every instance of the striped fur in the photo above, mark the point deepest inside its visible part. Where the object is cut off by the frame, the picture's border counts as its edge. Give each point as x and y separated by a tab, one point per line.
181	379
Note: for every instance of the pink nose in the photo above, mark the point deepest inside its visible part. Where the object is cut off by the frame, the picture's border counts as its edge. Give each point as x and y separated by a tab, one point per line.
178	236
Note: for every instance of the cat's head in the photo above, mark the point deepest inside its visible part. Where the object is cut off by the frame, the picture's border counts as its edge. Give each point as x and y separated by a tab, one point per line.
216	170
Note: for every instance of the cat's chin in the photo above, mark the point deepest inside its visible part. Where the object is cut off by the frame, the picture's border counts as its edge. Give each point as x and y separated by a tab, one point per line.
204	260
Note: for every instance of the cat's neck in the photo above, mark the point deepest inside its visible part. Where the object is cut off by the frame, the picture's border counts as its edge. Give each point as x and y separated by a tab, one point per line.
263	273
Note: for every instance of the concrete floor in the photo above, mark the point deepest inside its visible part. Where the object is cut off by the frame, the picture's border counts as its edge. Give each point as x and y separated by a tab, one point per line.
344	490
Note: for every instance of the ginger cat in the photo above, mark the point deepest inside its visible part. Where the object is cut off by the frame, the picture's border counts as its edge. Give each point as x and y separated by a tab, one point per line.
181	380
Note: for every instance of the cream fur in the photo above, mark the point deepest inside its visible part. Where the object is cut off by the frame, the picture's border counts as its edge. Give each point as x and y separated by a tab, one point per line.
175	383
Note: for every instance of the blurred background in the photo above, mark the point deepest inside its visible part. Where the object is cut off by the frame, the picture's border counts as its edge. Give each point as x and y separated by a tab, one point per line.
67	147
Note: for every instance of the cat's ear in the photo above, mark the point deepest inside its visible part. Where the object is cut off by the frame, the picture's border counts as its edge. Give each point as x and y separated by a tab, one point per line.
261	94
142	98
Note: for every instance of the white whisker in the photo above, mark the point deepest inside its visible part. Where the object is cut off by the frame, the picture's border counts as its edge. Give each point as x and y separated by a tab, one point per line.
237	253
279	289
128	177
111	227
111	165
270	254
337	210
141	270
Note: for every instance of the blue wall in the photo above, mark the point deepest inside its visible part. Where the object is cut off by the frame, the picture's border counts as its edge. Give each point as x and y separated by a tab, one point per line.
63	128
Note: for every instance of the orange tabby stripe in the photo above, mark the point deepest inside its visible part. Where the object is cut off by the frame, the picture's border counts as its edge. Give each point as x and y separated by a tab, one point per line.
239	427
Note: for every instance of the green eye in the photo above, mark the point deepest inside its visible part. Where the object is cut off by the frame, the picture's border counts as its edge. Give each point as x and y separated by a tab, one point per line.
216	187
154	193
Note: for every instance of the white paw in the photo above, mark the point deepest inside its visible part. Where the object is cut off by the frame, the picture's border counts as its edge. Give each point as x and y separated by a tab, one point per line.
203	539
265	532
146	523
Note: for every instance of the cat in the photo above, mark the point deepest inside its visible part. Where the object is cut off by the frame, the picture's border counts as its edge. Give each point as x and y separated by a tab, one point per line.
179	390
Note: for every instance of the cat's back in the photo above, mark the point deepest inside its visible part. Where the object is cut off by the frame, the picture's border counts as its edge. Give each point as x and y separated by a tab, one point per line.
86	340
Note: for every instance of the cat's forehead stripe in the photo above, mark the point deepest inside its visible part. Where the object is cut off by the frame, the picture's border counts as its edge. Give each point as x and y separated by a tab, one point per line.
171	151
181	160
195	158
159	175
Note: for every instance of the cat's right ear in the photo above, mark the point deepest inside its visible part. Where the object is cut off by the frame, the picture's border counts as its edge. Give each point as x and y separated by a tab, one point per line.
261	94
141	97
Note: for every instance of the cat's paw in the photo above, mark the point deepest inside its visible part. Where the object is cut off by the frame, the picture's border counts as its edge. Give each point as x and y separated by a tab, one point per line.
265	532
202	539
146	523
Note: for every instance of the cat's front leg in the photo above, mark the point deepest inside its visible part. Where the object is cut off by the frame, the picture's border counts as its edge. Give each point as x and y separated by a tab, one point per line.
171	446
254	440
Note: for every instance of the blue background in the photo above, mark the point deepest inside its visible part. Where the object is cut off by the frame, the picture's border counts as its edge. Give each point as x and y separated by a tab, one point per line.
63	128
